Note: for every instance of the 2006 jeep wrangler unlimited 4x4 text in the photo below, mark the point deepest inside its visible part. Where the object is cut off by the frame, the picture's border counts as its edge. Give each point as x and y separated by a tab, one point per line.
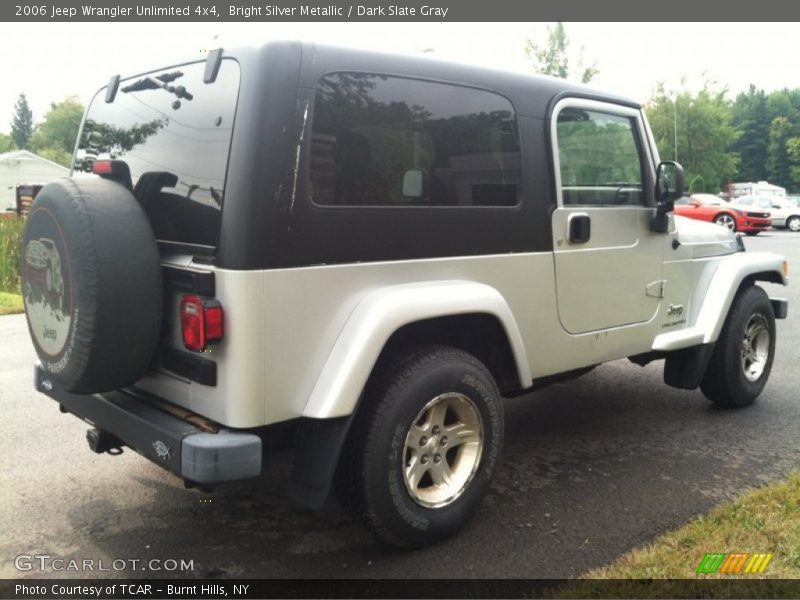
375	250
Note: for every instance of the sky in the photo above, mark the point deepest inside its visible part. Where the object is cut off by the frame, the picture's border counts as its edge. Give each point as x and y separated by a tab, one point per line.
49	61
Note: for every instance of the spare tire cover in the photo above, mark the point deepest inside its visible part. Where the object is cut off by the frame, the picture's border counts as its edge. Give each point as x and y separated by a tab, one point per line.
91	282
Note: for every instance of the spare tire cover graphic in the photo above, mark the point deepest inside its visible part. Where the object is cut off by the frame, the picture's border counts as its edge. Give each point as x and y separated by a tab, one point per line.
48	288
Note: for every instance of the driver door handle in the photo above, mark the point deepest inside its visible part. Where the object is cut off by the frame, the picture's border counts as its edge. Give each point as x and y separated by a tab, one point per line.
579	228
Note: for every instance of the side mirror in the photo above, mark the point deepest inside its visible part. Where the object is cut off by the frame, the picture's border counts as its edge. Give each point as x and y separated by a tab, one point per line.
669	181
694	203
413	184
669	187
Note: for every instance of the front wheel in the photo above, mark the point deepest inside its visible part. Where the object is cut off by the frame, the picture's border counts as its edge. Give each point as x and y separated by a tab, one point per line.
742	358
793	224
424	445
726	220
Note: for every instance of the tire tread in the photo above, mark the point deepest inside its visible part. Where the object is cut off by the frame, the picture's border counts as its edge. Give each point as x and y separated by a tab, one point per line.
393	372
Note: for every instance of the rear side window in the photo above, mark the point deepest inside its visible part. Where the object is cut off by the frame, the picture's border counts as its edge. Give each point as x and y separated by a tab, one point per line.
174	133
392	141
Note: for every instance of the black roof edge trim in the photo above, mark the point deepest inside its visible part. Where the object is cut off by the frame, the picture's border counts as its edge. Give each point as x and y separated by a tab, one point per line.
599	97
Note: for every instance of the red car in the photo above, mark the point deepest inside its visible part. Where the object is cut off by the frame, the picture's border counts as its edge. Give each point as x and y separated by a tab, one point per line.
705	207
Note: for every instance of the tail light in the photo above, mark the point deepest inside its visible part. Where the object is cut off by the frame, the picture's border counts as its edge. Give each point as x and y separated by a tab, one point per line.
102	167
202	322
115	170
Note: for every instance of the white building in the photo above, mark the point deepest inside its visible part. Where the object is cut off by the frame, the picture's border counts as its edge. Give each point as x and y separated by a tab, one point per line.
22	167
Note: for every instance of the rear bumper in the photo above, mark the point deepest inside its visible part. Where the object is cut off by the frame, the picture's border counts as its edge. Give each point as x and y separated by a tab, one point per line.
167	440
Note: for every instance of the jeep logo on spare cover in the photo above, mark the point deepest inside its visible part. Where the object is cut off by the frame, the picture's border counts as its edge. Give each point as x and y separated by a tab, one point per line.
47	286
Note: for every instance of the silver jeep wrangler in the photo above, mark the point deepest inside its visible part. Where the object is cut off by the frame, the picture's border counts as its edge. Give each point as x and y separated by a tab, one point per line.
370	251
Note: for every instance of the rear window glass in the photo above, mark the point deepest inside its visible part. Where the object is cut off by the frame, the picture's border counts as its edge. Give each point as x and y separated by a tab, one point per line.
174	133
390	141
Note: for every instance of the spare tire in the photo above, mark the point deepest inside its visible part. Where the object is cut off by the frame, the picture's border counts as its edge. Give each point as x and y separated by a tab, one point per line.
91	281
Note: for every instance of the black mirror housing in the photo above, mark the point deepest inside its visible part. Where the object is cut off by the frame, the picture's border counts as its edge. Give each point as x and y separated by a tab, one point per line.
669	187
669	181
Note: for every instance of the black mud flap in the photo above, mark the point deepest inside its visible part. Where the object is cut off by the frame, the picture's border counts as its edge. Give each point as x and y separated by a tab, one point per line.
685	368
317	448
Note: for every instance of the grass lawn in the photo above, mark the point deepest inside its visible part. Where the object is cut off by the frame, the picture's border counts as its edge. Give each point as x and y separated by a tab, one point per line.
765	520
10	304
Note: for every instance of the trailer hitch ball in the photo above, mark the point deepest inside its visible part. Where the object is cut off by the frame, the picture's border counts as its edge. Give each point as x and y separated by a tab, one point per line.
102	441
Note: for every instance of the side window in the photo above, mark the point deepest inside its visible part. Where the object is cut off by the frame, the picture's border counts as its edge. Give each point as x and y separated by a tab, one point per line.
599	158
391	141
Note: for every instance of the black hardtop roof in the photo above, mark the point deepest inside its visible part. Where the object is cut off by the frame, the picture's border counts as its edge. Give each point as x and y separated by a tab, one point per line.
532	94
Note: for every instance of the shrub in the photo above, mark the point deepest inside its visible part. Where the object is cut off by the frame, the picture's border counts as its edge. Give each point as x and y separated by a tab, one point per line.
10	254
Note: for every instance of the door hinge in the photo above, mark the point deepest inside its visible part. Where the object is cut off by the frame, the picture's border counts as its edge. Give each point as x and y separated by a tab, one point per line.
656	289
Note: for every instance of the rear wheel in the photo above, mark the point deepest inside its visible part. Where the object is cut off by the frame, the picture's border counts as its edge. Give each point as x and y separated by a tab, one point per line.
726	220
424	446
742	358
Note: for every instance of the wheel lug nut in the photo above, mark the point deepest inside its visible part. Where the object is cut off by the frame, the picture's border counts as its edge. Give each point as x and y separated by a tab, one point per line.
443	441
423	440
424	459
437	459
435	430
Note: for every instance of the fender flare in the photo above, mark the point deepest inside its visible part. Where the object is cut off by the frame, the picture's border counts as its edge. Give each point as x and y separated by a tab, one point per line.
379	315
331	407
725	282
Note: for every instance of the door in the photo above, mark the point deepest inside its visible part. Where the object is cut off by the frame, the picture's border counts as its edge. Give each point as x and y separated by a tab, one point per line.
608	263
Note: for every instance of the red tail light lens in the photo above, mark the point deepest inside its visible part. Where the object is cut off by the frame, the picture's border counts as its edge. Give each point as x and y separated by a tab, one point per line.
202	322
102	167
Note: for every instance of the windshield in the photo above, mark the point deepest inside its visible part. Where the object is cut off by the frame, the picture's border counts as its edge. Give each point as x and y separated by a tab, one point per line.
174	133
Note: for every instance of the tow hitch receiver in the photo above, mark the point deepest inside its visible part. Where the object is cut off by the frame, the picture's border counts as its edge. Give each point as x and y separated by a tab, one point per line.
101	442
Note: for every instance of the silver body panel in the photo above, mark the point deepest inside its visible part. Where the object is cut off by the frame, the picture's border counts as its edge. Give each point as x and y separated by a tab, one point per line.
301	342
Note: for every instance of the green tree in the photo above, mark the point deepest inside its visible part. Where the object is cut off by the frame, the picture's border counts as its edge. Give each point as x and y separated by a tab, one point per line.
705	134
697	184
793	152
778	162
6	143
750	115
22	122
553	58
54	138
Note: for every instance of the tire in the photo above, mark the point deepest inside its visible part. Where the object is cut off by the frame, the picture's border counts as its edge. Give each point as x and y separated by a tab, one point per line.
793	223
99	330
416	398
751	233
726	220
742	359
